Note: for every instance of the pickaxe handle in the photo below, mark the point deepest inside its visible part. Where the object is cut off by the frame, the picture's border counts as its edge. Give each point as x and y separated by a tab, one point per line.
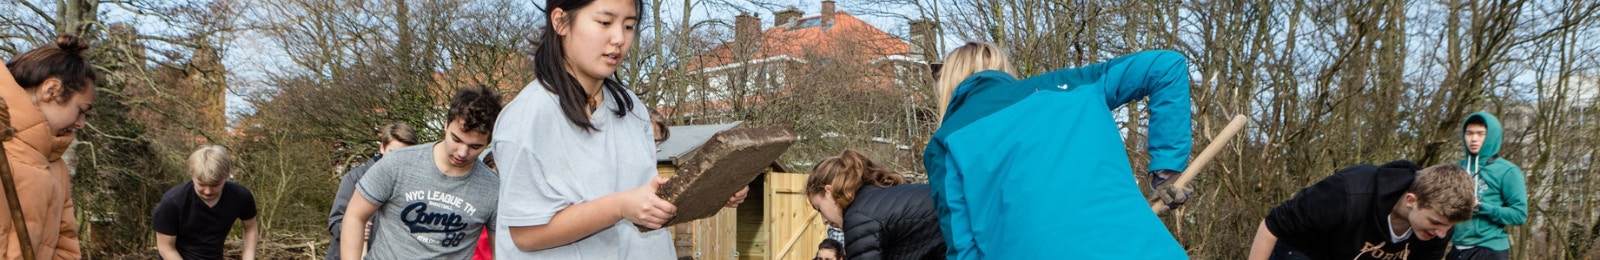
1204	158
10	186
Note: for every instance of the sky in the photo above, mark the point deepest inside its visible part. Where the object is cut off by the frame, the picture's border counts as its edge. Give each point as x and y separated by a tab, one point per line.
250	57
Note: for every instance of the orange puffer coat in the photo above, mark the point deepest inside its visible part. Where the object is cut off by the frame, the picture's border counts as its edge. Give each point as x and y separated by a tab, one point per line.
43	187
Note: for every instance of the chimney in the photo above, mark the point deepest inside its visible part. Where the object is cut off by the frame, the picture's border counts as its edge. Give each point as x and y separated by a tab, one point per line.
924	33
746	30
827	13
786	17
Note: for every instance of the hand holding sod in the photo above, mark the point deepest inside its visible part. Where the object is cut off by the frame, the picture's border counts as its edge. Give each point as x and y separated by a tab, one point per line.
642	207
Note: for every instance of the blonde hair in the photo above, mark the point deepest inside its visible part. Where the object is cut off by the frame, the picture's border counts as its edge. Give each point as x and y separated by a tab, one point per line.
210	164
1447	189
963	62
847	172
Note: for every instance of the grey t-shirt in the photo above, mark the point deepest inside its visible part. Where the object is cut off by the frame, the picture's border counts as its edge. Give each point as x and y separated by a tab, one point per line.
547	163
424	214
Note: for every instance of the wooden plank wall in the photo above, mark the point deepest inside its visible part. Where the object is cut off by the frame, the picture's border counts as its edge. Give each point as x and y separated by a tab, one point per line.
714	236
752	233
788	213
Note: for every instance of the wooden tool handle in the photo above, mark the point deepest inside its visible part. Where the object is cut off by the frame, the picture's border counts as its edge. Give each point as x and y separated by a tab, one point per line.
1200	162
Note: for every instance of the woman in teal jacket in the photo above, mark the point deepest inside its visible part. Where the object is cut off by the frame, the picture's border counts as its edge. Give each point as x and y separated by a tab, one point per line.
1502	193
1034	168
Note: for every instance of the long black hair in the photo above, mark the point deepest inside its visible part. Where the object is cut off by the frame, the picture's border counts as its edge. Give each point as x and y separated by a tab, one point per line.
549	66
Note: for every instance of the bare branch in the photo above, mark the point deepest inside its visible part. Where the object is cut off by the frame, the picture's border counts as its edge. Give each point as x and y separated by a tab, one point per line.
42	14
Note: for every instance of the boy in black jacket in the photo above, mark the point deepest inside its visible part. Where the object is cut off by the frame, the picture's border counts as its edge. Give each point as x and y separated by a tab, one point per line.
1392	211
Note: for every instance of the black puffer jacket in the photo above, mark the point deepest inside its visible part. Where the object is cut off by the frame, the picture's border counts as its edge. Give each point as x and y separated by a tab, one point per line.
897	222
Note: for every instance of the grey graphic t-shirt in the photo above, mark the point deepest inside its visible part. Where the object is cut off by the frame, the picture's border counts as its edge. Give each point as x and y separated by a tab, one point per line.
423	213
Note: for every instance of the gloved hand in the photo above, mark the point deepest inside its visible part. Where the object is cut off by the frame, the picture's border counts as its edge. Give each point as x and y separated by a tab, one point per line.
1161	182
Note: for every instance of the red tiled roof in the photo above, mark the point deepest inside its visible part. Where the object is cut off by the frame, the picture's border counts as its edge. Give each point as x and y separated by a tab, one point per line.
847	38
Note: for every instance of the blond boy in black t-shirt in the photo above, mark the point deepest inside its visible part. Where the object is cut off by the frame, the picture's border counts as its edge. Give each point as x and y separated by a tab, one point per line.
194	218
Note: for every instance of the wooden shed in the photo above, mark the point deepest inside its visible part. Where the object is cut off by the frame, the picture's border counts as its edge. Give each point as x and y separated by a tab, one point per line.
774	222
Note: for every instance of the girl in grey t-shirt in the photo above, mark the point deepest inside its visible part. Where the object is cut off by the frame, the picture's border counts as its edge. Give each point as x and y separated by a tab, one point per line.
574	148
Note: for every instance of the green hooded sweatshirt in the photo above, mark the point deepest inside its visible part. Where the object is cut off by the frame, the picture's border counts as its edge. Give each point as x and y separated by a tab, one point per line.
1501	190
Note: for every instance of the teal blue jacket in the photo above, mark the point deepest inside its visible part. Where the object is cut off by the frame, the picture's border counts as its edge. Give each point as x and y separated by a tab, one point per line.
1035	168
1502	192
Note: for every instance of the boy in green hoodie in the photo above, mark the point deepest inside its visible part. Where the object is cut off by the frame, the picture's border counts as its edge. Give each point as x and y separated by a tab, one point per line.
1502	194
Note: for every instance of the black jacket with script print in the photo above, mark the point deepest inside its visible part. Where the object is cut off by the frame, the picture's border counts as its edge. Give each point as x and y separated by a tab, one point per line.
1345	216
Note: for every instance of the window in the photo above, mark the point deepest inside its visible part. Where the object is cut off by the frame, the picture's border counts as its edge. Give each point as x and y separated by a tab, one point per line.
808	23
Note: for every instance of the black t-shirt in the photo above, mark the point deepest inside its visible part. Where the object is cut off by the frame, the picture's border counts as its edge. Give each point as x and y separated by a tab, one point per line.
1345	216
201	230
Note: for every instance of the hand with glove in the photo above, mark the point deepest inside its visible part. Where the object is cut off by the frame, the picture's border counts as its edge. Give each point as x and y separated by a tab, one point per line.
1161	184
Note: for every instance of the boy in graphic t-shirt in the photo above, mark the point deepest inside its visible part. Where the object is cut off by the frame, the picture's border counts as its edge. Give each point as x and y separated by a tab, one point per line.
431	200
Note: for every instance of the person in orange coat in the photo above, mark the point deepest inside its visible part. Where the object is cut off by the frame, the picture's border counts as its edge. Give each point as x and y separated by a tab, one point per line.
48	91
